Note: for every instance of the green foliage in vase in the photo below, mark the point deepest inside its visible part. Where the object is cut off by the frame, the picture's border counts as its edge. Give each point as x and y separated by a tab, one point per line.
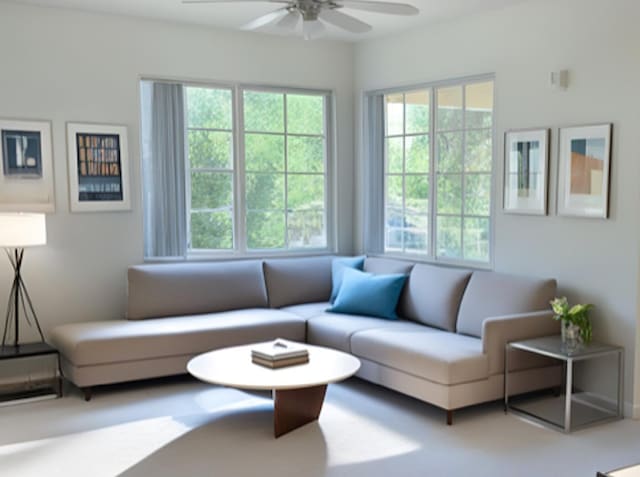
577	315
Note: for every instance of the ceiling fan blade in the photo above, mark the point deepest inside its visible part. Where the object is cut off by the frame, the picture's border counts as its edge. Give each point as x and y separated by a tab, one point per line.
231	1
290	21
312	29
343	21
266	19
380	7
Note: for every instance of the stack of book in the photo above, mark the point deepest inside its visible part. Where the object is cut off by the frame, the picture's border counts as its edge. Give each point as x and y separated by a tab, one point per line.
279	353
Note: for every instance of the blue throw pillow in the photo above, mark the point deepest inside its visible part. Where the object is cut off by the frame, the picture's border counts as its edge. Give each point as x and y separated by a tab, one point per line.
338	266
366	294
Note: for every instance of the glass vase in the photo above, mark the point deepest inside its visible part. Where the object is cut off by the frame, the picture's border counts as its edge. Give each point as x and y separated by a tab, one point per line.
571	336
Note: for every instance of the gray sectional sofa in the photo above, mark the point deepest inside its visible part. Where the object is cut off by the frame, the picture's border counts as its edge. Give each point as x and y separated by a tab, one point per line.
447	349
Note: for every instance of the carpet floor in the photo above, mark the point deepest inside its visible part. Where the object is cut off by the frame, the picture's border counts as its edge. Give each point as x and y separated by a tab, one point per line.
180	427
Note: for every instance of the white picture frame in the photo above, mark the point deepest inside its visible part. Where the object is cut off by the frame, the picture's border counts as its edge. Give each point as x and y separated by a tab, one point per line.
583	171
526	164
98	156
26	166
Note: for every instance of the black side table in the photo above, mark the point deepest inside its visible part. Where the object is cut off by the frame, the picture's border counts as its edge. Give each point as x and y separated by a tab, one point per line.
16	365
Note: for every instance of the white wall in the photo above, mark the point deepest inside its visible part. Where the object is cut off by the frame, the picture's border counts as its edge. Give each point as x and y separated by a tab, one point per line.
69	66
594	260
64	66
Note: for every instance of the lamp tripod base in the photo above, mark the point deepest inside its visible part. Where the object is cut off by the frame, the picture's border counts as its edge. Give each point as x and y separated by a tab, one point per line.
18	298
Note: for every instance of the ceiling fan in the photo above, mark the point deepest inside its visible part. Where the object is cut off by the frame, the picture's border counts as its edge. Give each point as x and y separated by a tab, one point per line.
315	13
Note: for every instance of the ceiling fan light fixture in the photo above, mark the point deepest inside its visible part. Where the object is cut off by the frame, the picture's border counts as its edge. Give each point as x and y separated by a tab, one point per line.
290	21
312	29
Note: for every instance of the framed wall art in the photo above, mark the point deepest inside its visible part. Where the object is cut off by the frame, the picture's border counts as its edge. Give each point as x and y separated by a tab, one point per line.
526	162
26	166
98	167
583	171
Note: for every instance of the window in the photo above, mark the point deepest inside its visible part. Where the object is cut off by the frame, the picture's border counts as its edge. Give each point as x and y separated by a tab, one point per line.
407	172
437	156
464	167
284	152
255	162
211	168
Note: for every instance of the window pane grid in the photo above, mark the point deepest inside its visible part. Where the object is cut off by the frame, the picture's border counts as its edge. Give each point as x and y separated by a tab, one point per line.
303	224
282	172
407	171
472	129
408	135
464	168
474	228
289	134
286	176
194	128
456	185
473	216
208	141
293	196
216	209
210	169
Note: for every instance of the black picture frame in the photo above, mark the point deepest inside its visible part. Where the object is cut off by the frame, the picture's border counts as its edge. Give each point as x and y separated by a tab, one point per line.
21	154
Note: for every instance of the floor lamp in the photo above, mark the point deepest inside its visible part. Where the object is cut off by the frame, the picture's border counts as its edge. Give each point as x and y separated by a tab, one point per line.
18	231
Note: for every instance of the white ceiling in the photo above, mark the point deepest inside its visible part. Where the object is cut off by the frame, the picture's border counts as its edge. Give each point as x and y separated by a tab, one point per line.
233	16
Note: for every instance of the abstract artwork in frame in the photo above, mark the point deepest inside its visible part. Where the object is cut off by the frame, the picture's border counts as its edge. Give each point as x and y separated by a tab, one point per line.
526	161
98	167
26	166
583	171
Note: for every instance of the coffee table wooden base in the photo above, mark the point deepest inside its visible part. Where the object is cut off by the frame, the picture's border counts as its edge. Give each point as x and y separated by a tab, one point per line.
293	408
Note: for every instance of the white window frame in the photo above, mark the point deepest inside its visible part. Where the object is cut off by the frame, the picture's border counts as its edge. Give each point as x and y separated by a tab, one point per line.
240	248
432	87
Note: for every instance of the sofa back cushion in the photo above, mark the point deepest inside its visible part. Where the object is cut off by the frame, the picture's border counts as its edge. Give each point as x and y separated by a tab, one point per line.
384	266
432	295
191	288
291	281
496	294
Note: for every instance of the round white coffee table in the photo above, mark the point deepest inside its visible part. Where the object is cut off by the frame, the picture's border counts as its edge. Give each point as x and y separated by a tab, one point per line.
298	390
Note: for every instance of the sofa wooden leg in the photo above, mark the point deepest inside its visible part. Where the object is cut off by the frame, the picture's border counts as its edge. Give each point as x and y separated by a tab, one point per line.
87	393
449	418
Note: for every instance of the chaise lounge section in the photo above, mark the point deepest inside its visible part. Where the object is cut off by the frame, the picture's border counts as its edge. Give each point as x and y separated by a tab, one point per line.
447	348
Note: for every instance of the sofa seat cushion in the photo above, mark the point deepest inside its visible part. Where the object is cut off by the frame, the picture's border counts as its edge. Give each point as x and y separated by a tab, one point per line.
307	310
102	342
335	330
439	356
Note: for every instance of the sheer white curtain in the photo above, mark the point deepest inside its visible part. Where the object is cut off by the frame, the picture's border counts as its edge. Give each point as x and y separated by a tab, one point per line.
163	170
373	162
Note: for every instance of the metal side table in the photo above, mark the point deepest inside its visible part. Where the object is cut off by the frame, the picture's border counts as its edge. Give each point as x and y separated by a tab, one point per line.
572	408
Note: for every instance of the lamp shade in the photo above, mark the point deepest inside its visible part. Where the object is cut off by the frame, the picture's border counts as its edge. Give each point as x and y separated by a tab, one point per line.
22	230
